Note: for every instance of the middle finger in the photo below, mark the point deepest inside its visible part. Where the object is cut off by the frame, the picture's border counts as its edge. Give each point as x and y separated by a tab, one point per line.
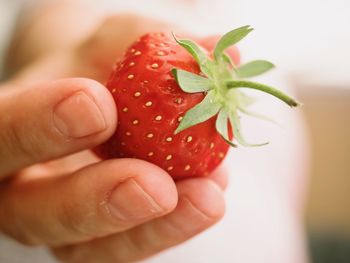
201	204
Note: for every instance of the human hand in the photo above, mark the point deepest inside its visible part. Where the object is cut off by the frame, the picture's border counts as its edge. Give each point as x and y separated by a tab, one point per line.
89	211
85	210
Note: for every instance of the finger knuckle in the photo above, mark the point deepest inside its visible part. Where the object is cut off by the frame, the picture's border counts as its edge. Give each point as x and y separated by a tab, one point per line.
19	142
73	220
131	246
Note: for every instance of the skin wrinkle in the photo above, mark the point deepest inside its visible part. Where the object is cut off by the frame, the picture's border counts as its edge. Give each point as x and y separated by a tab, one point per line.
137	245
8	141
72	223
131	244
75	253
17	141
75	219
129	247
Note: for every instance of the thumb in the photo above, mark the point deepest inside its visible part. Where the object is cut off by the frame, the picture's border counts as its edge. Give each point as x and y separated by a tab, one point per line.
51	120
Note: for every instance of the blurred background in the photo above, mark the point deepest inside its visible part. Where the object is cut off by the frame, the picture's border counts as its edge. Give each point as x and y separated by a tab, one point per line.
293	203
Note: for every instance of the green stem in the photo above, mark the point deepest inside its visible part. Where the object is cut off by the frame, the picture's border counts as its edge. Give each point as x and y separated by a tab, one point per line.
270	90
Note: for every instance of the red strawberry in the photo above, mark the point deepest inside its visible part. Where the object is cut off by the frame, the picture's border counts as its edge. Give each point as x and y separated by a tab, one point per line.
174	103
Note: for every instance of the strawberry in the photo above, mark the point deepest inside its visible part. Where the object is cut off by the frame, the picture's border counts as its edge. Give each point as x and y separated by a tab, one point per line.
176	105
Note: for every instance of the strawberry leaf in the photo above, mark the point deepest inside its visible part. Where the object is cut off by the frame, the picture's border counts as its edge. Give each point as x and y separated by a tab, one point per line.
191	83
221	126
228	60
197	53
236	125
254	68
230	39
245	100
257	115
200	113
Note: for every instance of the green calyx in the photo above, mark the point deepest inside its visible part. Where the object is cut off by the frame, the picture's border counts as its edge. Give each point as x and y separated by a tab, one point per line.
222	86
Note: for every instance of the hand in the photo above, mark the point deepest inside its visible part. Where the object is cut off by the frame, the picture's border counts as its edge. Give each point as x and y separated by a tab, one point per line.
85	210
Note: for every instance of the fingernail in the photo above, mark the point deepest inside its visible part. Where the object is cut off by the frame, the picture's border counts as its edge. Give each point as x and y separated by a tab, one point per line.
78	116
130	202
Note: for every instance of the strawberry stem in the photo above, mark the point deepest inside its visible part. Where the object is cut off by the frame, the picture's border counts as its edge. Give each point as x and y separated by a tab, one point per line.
222	76
264	88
